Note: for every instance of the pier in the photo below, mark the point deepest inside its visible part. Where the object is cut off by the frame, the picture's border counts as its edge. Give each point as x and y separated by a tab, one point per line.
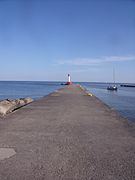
68	135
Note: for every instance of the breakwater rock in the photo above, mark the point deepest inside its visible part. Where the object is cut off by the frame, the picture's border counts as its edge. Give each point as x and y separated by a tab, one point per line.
8	106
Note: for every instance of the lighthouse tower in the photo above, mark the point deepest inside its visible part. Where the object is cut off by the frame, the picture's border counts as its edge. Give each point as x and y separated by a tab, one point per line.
69	80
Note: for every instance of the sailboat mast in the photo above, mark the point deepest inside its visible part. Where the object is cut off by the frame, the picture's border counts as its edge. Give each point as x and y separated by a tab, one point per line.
113	75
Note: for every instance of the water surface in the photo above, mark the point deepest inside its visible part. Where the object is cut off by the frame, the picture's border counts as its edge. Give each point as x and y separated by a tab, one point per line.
33	89
122	100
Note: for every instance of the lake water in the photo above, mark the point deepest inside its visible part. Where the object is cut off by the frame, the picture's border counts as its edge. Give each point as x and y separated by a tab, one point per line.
122	100
19	89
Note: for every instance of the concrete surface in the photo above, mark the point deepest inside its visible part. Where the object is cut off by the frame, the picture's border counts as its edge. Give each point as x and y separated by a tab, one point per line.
67	135
6	153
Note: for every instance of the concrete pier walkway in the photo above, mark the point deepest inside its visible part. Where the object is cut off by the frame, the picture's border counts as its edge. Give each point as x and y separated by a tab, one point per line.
67	135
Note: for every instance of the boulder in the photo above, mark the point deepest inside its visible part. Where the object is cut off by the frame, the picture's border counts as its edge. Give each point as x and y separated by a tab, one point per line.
28	100
7	106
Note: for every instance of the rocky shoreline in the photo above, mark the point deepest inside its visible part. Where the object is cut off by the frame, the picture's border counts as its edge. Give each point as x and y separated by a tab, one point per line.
8	106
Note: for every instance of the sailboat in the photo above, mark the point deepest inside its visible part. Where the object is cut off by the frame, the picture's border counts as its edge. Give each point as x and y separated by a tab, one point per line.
113	87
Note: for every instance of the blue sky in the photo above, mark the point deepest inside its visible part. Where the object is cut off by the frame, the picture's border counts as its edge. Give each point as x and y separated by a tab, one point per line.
46	39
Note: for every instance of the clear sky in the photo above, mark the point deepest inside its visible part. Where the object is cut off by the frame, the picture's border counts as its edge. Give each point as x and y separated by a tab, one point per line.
46	39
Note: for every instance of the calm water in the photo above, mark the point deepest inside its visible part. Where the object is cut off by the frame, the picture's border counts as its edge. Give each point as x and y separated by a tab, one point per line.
123	100
18	89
